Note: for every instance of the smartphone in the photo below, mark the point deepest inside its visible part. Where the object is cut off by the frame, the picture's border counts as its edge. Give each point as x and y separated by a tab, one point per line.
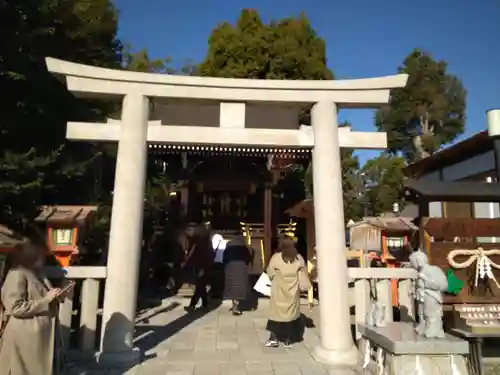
68	287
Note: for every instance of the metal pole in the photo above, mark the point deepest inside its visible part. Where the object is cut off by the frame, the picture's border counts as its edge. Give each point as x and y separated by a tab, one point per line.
493	120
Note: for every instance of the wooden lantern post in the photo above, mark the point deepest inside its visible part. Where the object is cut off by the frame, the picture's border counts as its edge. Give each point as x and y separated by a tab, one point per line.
64	226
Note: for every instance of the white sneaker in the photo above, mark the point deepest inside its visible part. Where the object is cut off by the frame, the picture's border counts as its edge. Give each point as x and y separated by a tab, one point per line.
272	344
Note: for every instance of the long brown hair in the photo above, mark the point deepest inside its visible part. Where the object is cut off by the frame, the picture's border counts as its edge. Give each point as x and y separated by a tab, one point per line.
27	254
286	246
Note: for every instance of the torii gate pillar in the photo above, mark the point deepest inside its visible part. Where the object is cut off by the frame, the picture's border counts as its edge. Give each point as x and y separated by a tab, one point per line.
337	346
125	237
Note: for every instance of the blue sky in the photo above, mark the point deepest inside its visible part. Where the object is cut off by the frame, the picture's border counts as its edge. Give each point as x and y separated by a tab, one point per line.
365	38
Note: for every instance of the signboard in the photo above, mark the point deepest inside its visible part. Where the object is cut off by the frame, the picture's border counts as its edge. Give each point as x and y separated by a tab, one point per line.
395	243
449	228
62	237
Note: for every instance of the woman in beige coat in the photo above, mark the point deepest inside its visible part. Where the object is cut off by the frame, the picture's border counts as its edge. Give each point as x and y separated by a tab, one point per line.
284	267
28	342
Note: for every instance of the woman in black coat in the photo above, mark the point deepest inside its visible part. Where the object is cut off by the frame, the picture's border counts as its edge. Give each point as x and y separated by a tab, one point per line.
237	258
200	258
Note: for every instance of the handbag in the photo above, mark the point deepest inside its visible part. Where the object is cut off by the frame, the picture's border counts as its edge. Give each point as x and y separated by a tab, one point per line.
263	285
304	282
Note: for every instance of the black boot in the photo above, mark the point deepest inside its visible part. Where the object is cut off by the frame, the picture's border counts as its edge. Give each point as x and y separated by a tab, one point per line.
236	308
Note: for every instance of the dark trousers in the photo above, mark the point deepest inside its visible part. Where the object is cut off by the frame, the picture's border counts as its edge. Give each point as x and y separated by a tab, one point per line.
200	290
174	281
217	281
286	331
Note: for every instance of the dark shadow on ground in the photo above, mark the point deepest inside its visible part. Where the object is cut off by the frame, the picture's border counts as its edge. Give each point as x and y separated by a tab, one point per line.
169	307
154	335
305	323
150	300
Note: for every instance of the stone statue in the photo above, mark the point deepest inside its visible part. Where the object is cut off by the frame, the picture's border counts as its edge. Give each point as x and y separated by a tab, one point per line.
377	311
431	283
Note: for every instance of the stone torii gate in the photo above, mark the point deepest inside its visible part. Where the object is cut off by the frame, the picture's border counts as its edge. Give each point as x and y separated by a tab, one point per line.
234	98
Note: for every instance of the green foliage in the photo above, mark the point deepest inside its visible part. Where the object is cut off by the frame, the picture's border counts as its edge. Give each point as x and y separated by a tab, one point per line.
383	180
428	113
350	185
285	49
37	164
140	61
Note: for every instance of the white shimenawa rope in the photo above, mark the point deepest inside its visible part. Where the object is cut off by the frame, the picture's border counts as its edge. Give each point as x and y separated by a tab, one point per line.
484	265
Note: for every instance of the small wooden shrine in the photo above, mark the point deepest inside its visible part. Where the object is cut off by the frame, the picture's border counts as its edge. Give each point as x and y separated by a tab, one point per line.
456	243
384	239
383	235
386	236
65	226
373	238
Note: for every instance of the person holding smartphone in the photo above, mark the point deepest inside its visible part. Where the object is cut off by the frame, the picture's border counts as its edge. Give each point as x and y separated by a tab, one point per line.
29	343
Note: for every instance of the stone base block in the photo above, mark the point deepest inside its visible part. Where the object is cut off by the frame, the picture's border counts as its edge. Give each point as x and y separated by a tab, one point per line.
396	349
128	359
337	358
425	364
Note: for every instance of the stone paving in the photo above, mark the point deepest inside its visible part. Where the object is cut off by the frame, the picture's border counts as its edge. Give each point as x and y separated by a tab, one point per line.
216	343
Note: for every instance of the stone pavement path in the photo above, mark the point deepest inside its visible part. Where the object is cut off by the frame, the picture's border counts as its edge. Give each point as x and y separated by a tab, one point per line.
216	343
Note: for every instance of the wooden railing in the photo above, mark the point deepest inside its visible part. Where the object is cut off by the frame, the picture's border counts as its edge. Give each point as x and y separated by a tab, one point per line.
360	295
79	313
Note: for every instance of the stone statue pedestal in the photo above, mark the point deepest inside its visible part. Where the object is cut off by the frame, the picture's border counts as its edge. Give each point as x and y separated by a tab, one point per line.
397	349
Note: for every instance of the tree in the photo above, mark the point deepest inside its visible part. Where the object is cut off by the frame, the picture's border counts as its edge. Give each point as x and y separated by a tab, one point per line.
428	113
285	49
37	165
382	181
140	61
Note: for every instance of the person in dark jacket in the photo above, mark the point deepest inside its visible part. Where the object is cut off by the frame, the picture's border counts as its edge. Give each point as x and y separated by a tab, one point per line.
200	258
237	258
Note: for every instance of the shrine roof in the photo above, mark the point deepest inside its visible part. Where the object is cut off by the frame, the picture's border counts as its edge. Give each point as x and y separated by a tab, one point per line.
452	191
395	223
292	153
65	214
476	144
